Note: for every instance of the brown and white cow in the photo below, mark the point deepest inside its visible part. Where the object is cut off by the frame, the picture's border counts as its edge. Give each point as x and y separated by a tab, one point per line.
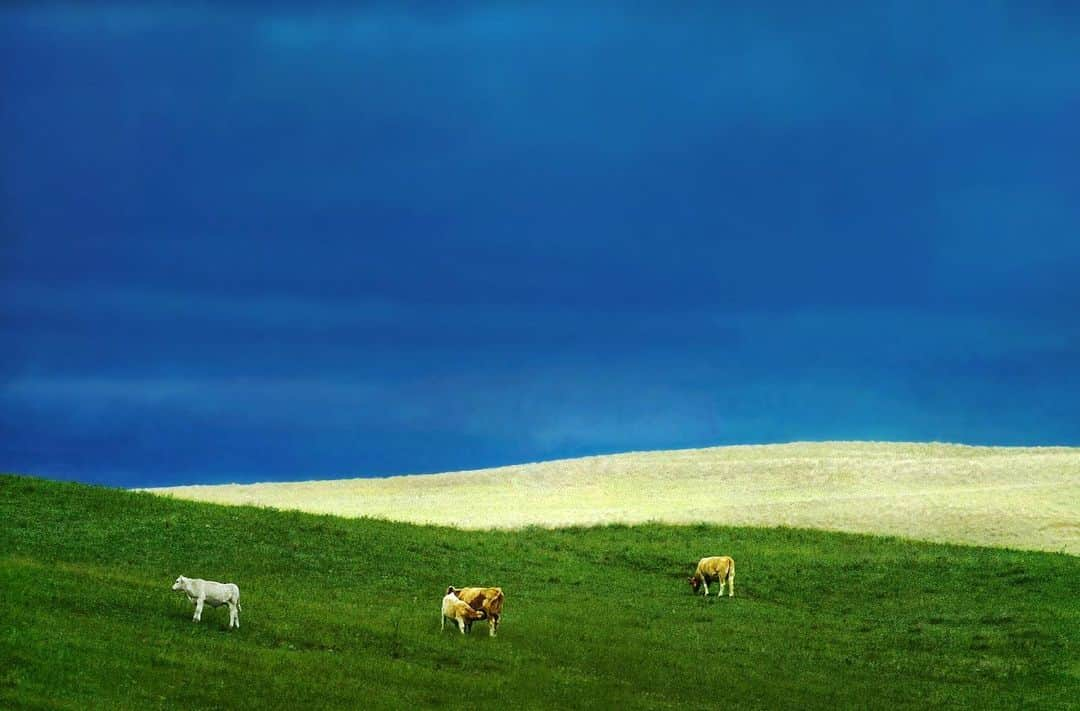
487	600
458	612
712	569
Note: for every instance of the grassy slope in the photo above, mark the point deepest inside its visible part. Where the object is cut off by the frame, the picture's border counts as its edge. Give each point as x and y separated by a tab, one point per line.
1019	497
344	613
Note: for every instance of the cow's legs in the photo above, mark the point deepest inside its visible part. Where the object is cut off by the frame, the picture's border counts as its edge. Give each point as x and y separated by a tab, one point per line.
721	591
493	625
705	583
234	617
198	610
461	625
731	586
442	623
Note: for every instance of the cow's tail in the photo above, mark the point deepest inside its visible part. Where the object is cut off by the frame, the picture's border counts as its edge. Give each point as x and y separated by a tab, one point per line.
731	573
496	604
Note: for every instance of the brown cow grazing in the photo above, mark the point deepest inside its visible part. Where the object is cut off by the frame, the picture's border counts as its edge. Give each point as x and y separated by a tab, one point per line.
487	600
458	612
714	568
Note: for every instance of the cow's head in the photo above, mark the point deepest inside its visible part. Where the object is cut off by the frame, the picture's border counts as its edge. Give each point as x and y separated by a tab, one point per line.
451	590
694	583
179	584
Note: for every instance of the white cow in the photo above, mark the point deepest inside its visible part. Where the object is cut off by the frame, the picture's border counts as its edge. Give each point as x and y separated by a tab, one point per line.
217	594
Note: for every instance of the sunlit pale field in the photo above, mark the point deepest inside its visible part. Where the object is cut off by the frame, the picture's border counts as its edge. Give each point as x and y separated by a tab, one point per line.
999	496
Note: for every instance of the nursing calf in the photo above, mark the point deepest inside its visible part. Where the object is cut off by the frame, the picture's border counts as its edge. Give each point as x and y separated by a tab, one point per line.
486	600
459	612
215	594
714	568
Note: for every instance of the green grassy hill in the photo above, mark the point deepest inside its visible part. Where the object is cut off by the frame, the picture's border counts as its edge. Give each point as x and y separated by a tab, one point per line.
344	613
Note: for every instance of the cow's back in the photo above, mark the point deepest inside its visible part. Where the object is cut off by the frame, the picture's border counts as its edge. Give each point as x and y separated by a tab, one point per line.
489	600
716	567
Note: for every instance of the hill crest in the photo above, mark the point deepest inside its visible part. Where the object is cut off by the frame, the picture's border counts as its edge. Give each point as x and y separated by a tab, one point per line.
1020	497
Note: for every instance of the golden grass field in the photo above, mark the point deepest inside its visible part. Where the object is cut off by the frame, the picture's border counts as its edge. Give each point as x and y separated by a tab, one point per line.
1018	497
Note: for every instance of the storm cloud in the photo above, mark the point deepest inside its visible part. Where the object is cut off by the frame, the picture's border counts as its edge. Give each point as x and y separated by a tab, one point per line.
272	241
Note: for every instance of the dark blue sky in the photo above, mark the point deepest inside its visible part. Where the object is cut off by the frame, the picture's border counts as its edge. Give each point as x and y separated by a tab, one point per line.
281	241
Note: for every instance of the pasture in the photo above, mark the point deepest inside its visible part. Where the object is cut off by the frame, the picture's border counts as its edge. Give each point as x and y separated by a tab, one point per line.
344	613
1015	497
